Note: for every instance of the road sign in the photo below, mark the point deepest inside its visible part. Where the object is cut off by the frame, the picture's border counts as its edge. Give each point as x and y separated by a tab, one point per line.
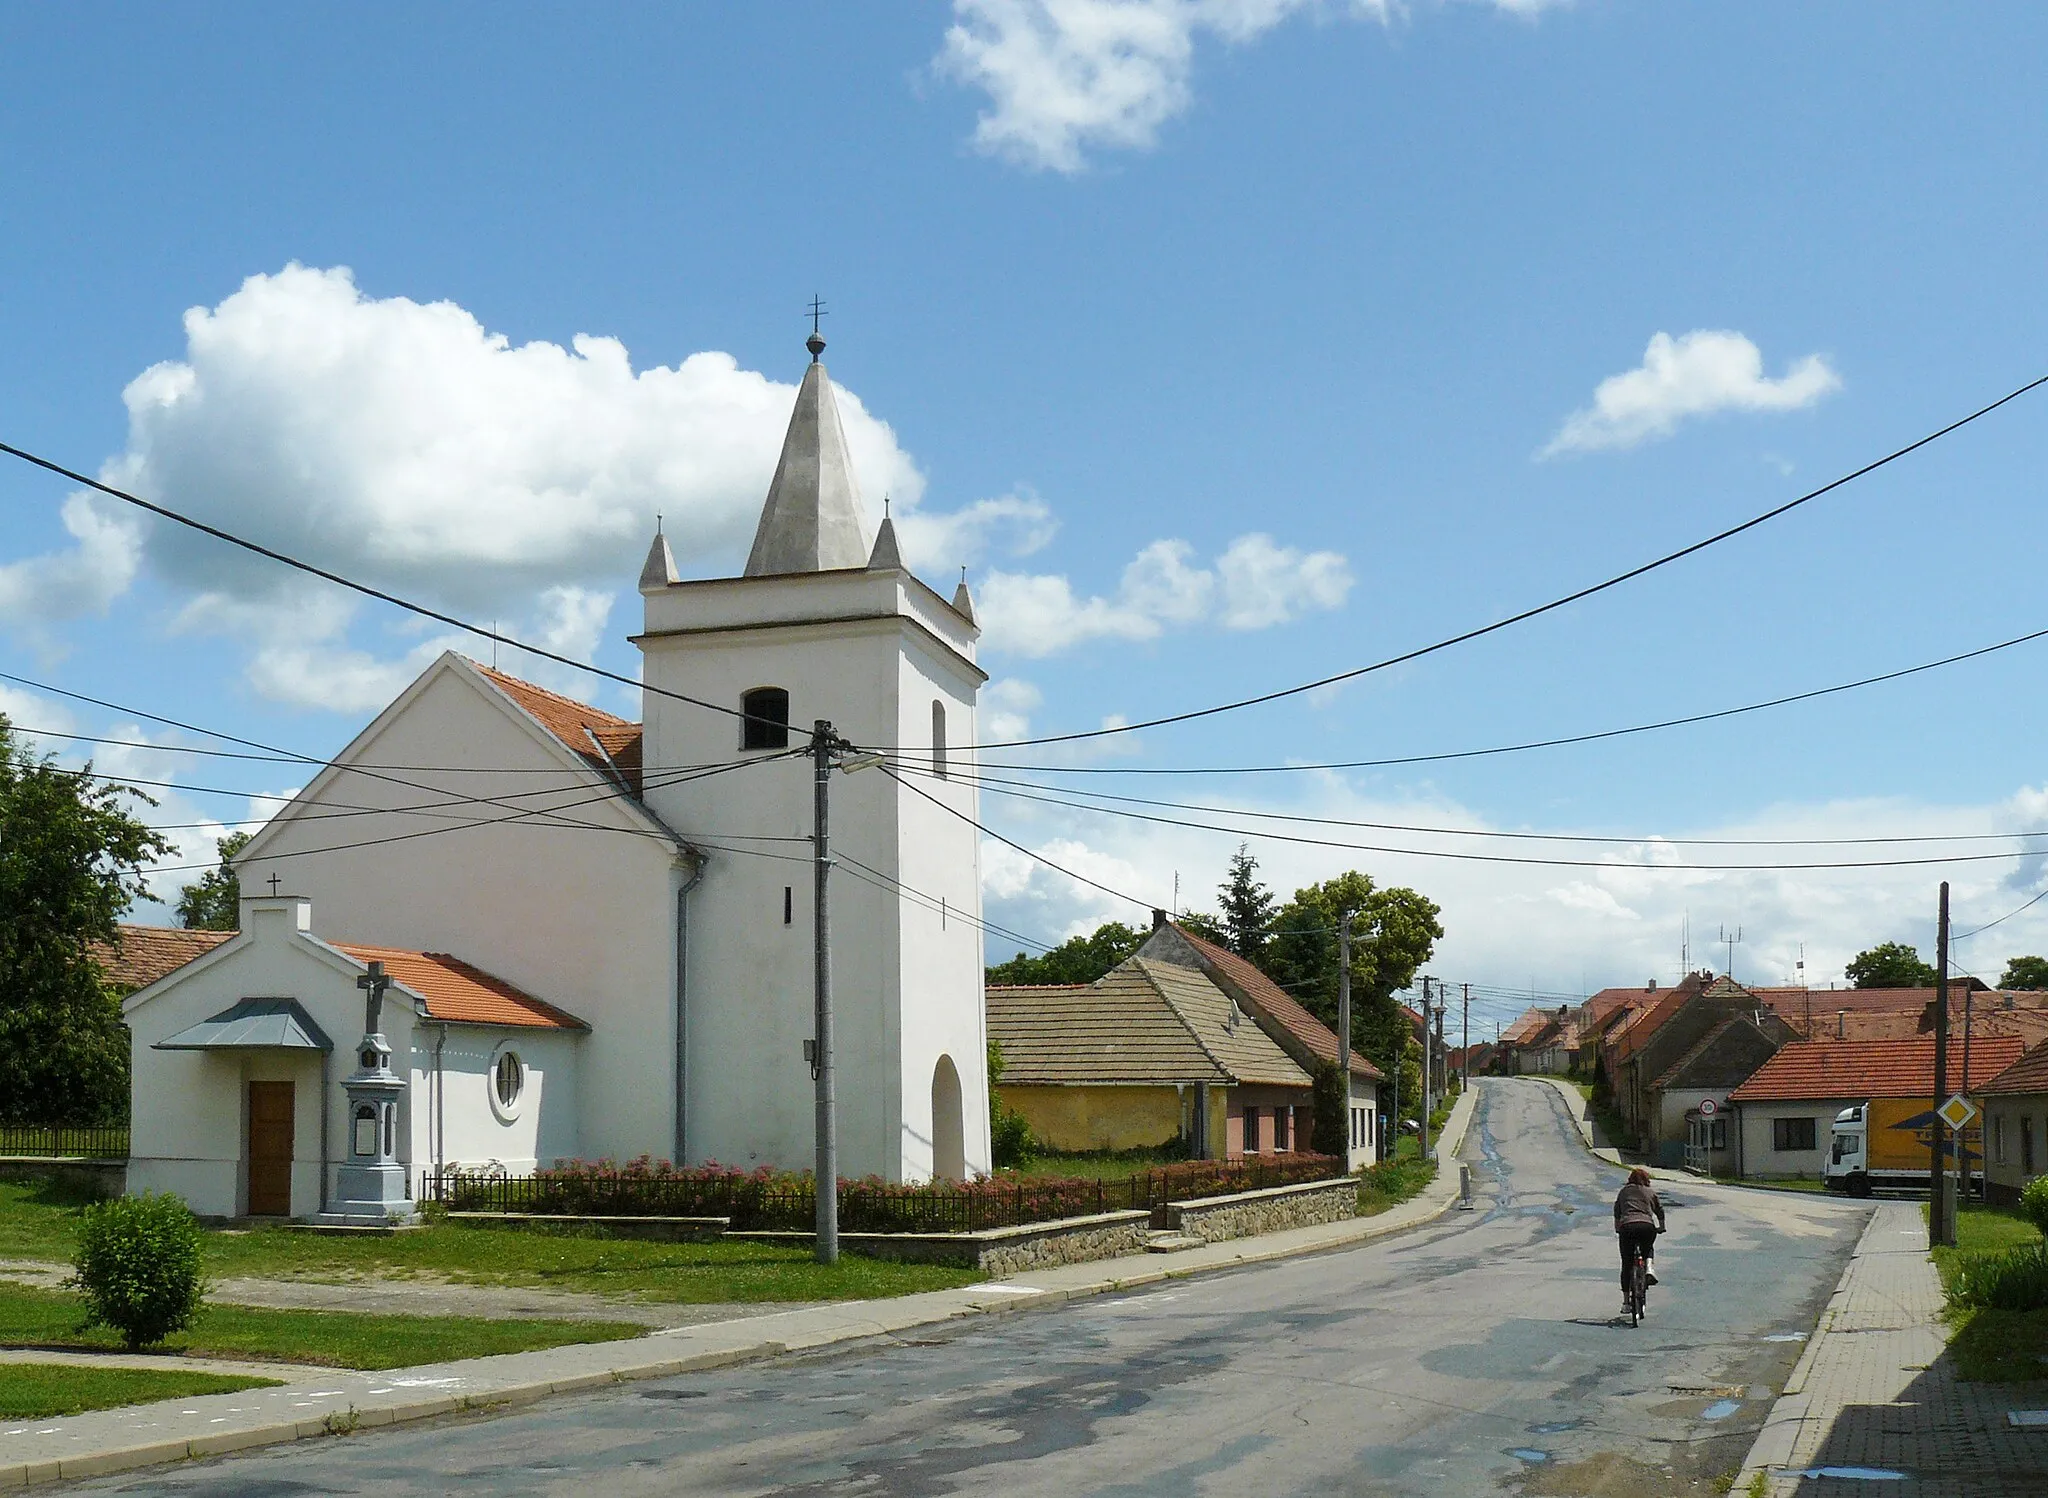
1708	1107
1958	1112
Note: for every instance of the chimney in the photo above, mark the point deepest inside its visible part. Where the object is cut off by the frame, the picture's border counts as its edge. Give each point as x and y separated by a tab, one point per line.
1158	918
1652	988
1841	1024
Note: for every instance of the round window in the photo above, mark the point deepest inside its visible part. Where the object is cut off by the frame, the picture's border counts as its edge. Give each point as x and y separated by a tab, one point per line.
508	1083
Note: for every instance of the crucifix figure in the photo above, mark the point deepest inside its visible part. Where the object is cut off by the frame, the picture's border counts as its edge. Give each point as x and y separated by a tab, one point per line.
373	983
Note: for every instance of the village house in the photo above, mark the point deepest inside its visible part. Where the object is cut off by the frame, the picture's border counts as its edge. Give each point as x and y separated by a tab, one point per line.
1785	1112
2015	1104
639	882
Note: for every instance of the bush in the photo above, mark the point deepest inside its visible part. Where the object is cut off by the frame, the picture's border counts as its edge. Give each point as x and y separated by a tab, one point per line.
2016	1280
1331	1134
138	1266
2034	1204
1010	1139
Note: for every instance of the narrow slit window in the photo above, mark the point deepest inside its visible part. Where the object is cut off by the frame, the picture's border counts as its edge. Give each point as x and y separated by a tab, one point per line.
766	724
939	739
788	904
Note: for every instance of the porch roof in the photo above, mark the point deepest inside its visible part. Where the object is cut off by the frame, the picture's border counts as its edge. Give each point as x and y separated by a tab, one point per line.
252	1025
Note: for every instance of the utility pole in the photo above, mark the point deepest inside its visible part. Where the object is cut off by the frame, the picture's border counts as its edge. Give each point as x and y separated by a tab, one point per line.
1344	1023
1940	1229
1465	1080
1963	1134
823	742
1422	1138
1400	1054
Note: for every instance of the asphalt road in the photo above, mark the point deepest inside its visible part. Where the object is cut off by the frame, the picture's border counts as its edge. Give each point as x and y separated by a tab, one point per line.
1476	1356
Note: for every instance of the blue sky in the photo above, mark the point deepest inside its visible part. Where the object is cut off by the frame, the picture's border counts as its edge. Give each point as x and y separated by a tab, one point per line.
1112	286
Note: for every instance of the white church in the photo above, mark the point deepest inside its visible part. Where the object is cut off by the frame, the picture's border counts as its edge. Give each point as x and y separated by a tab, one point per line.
598	934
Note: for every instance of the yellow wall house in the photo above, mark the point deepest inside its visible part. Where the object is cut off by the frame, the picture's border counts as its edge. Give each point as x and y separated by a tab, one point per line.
1149	1052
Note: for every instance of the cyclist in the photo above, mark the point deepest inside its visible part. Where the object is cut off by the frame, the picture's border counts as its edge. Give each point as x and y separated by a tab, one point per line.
1638	1219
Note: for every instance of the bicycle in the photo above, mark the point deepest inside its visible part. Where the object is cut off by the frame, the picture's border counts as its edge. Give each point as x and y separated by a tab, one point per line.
1638	1286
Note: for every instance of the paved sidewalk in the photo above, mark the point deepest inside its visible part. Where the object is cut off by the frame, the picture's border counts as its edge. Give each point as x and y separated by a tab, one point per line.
1874	1403
325	1402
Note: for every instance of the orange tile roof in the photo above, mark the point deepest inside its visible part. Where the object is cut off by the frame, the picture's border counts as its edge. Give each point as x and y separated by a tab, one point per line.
1279	1005
1790	1001
1851	1069
457	992
1525	1029
139	955
2028	1074
1670	1001
602	740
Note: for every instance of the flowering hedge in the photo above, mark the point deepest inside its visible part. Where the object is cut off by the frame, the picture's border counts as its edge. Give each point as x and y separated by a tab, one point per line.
766	1199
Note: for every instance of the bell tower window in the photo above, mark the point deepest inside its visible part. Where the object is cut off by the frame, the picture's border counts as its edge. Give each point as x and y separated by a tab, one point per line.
939	739
766	725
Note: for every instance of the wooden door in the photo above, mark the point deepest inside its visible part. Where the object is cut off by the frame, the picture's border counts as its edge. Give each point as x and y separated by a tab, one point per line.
270	1149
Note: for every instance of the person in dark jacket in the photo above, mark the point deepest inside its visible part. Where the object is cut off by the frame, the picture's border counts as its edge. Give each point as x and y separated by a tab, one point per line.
1638	1219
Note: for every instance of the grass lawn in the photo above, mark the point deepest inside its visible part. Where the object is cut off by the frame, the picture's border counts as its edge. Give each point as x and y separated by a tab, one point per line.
1992	1346
38	1221
36	1391
1088	1165
1819	1187
1393	1182
50	1318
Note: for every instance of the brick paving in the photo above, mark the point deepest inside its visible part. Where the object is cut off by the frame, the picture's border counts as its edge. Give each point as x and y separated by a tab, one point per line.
1876	1393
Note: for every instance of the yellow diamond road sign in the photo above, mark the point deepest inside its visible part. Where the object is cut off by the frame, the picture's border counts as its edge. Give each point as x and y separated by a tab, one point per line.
1957	1112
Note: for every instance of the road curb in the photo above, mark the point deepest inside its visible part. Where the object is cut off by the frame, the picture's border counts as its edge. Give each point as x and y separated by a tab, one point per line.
957	1305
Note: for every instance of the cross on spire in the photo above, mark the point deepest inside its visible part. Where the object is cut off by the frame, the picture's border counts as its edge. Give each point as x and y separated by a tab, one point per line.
816	342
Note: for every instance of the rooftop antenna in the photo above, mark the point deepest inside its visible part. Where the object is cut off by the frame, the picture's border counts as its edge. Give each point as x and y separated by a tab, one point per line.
1805	993
1729	942
1685	946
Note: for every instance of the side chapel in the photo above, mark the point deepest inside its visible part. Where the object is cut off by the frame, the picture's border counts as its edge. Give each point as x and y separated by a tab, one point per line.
585	937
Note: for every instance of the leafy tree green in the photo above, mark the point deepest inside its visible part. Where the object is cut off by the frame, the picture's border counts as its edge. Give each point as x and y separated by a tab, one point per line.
214	902
1393	932
70	865
138	1266
1891	965
2025	972
1010	1139
1331	1102
1080	959
1247	907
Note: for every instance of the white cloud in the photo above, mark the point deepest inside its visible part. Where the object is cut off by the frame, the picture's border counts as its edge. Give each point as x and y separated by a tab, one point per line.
1700	373
85	579
1255	584
1005	709
1065	76
408	445
1020	523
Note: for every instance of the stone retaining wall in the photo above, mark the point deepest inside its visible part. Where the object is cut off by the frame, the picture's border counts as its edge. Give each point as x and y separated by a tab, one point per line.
998	1252
1244	1214
656	1229
108	1177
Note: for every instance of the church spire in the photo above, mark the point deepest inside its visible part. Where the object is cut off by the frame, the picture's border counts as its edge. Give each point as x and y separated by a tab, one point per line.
812	521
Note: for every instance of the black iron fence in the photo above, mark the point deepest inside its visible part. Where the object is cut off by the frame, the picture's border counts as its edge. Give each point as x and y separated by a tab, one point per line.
755	1203
50	1142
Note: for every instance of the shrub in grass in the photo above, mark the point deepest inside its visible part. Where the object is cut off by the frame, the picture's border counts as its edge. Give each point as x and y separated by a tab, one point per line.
2016	1280
138	1267
2034	1203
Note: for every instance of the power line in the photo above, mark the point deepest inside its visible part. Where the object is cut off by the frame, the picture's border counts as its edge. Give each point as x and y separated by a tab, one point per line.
1255	834
1553	743
1558	837
381	595
1529	613
2001	920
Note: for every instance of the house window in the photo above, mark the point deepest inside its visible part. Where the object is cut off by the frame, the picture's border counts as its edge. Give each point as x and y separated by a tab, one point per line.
1998	1138
1251	1131
2027	1143
766	724
1283	1128
508	1079
1717	1133
939	739
1792	1134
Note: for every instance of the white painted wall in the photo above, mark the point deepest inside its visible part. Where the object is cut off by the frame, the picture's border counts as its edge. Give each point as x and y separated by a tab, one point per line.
190	1110
869	652
578	909
1759	1159
1365	1098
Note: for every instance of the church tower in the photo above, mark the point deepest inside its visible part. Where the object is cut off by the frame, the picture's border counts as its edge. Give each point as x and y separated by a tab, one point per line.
825	623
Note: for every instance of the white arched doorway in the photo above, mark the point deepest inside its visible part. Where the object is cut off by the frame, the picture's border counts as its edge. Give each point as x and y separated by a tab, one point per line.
949	1128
